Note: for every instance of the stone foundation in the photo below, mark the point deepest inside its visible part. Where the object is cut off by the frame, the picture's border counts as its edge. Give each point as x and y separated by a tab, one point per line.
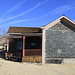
69	60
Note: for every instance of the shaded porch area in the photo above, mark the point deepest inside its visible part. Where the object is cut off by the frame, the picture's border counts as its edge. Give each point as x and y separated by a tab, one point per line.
32	45
32	49
27	48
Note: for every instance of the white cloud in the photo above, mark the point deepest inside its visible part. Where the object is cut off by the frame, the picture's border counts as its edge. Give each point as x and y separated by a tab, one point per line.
23	13
58	10
18	5
62	9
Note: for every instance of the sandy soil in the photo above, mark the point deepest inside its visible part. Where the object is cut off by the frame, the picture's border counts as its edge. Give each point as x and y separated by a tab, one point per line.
16	68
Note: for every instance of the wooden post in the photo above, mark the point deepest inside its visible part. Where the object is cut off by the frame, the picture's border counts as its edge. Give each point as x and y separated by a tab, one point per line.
23	46
6	49
41	45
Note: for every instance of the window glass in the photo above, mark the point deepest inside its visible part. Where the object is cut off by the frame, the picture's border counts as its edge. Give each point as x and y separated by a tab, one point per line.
32	43
19	45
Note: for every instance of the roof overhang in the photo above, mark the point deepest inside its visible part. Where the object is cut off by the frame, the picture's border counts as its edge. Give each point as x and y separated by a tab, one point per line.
14	37
14	33
32	34
21	34
56	21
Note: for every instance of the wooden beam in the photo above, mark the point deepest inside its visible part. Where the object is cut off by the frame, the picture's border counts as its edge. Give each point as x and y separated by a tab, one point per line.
23	46
32	34
14	36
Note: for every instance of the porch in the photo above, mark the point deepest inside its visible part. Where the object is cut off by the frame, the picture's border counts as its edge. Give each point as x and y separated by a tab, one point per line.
32	49
27	47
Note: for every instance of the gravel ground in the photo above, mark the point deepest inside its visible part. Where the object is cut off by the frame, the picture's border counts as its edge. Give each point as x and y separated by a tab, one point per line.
17	68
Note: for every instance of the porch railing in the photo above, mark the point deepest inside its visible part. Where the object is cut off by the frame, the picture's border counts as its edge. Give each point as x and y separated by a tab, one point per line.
32	52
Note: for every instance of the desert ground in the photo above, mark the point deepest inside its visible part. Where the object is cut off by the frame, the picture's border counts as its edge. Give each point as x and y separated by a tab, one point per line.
18	68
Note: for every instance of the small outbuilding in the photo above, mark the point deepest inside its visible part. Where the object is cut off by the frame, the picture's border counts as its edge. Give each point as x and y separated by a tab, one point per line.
54	42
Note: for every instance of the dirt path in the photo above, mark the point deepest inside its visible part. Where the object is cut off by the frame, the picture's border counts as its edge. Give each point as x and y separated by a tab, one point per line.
16	68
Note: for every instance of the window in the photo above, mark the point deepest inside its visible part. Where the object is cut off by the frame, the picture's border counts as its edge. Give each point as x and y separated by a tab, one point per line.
19	45
32	43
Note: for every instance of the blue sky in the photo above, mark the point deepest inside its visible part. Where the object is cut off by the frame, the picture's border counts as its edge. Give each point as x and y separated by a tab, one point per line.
34	13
